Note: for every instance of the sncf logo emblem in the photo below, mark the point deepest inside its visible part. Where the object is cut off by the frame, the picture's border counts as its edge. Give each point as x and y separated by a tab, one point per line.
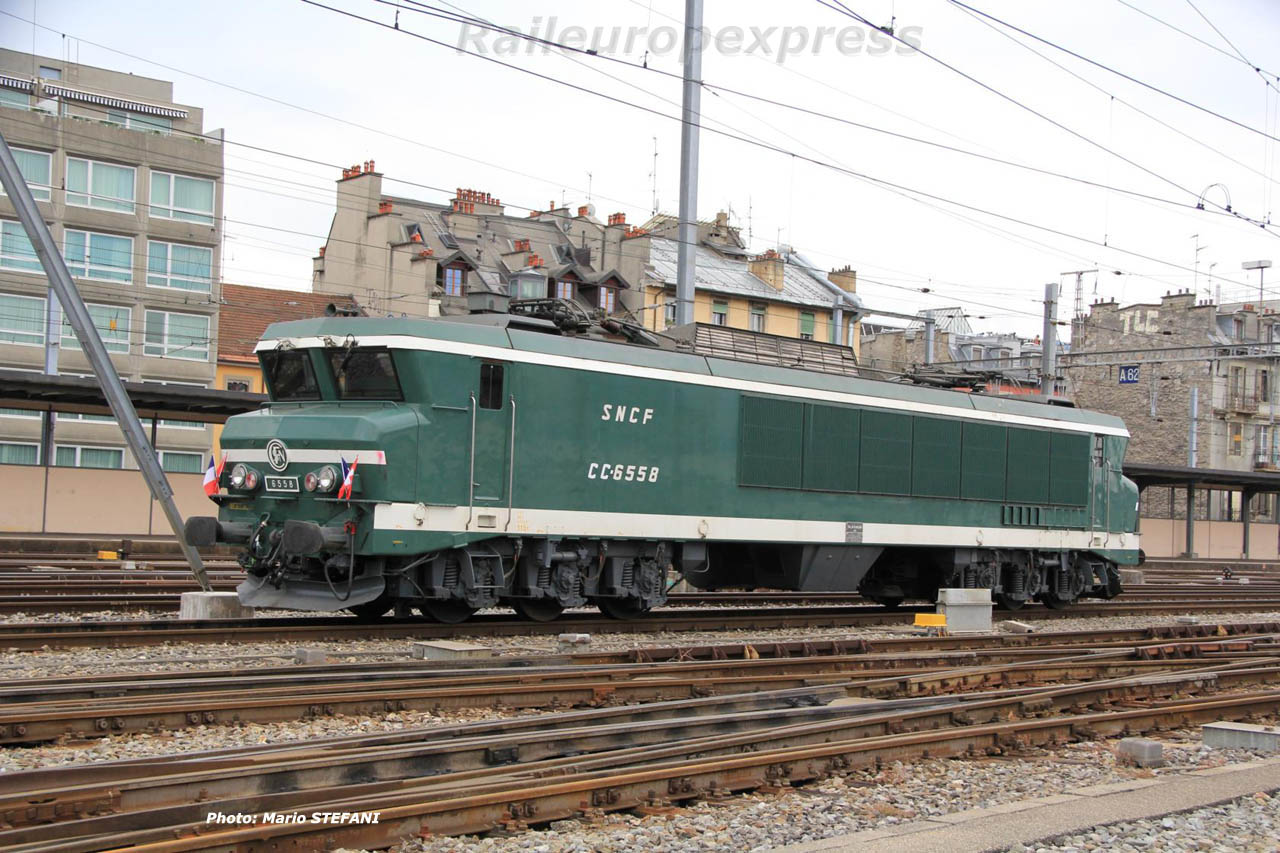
277	455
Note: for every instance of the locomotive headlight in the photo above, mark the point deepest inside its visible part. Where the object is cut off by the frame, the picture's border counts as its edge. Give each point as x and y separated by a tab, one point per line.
251	479
327	477
238	475
309	482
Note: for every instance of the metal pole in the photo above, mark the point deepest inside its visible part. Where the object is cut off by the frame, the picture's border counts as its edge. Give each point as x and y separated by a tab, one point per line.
52	344
112	388
930	326
1049	341
1191	521
1245	500
1191	427
691	117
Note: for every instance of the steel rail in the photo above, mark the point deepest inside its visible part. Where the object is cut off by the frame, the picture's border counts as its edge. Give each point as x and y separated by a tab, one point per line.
115	634
628	739
447	805
239	698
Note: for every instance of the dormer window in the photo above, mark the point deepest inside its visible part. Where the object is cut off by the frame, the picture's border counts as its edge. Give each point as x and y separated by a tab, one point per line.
454	280
608	299
564	289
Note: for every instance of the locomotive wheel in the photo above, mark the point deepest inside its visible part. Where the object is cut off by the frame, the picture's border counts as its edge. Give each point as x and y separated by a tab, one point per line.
1004	602
449	612
371	610
621	608
537	609
1052	601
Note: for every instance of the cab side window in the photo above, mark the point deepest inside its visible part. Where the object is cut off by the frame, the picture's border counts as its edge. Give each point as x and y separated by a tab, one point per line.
491	386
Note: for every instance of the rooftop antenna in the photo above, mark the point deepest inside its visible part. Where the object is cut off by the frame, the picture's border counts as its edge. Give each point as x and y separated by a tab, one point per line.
749	221
588	187
653	176
1196	265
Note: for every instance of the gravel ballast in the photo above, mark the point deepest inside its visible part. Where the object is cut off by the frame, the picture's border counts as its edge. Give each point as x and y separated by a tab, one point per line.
870	799
1247	825
865	799
166	657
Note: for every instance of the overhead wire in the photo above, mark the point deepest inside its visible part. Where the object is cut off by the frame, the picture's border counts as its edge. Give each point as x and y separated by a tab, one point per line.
840	7
1109	69
830	166
439	189
326	116
432	11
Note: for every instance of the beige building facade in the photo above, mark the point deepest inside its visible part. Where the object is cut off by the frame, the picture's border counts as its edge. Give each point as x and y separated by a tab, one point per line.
394	255
131	187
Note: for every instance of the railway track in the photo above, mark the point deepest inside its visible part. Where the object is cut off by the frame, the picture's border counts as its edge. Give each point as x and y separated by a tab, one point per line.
95	596
20	636
745	733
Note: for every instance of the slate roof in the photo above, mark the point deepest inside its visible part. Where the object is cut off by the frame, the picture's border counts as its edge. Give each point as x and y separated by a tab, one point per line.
247	311
719	274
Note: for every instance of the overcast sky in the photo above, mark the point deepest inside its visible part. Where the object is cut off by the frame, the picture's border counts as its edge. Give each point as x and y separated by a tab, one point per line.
288	77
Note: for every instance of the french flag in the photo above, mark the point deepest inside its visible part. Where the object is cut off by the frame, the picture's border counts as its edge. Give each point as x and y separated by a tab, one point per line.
348	477
212	474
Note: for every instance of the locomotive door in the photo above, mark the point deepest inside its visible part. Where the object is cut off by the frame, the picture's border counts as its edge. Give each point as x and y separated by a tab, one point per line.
493	419
1099	477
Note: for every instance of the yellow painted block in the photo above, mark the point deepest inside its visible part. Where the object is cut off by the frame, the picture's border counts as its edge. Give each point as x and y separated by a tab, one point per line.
108	555
931	620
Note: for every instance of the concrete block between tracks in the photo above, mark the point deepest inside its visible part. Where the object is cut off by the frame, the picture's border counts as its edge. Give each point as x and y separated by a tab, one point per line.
1141	751
310	656
1013	626
212	605
1245	735
1130	576
449	650
965	609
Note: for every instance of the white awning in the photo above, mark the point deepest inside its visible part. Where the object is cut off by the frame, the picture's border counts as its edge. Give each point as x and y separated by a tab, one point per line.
16	83
58	91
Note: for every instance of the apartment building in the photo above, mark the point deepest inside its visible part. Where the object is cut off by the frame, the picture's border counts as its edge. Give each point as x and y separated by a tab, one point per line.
396	255
1147	362
131	187
776	292
1004	363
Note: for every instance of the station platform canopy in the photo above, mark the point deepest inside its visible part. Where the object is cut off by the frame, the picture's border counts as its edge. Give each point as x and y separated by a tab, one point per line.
20	389
1256	482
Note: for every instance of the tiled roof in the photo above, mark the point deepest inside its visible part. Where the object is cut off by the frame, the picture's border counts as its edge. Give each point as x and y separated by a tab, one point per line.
716	273
247	311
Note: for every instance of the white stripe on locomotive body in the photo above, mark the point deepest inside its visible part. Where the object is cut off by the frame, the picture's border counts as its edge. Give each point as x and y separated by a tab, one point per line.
634	525
316	457
411	342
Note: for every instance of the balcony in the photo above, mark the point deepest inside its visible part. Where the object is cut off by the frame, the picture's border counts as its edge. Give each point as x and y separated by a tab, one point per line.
1241	401
1266	461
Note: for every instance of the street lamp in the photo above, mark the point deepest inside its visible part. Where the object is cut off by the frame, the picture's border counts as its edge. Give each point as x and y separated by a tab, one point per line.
1259	266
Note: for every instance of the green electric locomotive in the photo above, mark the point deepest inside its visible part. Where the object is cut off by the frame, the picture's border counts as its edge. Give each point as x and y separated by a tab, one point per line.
455	464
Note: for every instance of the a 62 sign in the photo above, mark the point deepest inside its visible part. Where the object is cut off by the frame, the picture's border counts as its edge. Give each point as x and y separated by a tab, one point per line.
1129	374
